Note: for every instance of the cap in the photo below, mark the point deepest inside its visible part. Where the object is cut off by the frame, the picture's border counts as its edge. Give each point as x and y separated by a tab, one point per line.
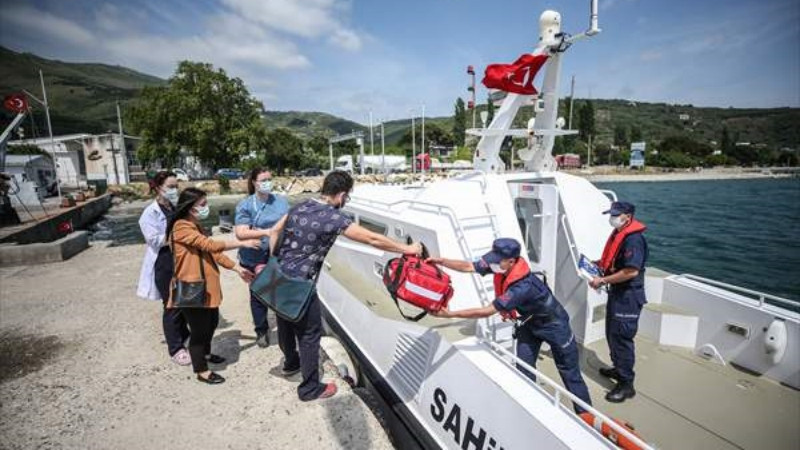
502	248
618	208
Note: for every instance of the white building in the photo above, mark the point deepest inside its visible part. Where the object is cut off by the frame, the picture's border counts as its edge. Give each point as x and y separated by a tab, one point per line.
85	157
33	176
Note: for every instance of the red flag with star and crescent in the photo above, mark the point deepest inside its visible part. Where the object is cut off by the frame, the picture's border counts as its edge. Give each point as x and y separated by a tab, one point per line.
16	103
516	77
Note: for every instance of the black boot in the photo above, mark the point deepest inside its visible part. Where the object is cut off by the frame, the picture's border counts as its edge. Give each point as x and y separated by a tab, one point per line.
609	373
623	390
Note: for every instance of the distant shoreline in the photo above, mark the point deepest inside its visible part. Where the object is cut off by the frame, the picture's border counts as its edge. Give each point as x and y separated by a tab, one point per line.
605	176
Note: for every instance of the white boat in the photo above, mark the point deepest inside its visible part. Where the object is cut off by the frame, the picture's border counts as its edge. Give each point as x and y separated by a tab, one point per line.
718	366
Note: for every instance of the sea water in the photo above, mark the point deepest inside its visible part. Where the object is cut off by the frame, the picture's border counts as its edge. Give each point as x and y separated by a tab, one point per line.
742	232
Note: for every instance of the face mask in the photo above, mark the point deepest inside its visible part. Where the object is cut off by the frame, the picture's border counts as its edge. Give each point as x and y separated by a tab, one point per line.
171	195
616	221
265	187
496	268
203	212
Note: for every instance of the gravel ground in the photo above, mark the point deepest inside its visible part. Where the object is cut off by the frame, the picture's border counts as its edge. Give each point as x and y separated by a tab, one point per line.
85	366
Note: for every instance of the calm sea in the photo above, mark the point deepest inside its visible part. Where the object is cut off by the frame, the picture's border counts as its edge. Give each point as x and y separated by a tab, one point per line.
742	232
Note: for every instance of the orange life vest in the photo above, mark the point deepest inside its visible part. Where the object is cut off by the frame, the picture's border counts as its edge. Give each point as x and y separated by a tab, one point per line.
609	433
615	242
502	281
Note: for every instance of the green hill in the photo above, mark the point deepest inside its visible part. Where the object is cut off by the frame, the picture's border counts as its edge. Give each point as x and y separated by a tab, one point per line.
82	96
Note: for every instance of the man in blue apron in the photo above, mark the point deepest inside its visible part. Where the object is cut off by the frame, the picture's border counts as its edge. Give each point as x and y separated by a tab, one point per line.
523	297
623	266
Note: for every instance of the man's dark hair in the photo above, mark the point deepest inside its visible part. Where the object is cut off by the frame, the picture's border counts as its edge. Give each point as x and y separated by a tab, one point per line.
337	182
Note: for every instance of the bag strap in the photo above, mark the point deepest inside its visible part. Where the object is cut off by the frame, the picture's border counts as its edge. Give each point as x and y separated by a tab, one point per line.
393	290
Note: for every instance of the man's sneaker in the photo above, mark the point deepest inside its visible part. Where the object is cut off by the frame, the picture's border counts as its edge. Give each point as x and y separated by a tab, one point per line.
181	357
262	340
287	372
609	373
622	391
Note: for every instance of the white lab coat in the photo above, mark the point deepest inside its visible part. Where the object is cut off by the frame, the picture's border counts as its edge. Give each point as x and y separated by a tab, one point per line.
153	224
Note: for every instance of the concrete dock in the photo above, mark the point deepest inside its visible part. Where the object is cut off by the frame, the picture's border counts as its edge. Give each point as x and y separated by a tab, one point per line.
85	366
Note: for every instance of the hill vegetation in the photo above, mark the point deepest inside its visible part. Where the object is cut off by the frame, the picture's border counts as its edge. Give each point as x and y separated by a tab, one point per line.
82	98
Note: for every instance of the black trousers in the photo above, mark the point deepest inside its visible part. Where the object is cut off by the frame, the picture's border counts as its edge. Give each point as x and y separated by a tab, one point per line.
202	323
304	334
175	330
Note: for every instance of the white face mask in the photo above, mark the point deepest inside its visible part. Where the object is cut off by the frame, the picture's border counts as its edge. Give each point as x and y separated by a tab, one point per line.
203	212
171	195
496	268
616	221
265	187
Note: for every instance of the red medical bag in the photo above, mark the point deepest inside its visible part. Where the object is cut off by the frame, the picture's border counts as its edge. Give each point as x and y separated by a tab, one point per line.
414	281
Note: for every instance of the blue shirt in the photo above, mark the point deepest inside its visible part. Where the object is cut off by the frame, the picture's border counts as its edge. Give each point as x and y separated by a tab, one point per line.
259	215
311	229
633	253
527	296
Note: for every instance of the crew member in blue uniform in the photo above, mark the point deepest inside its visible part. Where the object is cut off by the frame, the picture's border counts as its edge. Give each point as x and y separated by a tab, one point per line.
522	297
623	266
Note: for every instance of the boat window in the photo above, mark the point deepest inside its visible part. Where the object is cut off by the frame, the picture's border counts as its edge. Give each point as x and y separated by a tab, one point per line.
372	225
529	217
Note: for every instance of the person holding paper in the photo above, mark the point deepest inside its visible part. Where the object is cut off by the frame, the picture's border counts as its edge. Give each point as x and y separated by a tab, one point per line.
623	265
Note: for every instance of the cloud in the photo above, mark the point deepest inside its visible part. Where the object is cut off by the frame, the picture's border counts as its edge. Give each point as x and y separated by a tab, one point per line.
34	21
304	18
651	55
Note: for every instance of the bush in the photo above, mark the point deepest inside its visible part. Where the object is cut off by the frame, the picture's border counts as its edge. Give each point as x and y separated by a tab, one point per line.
224	184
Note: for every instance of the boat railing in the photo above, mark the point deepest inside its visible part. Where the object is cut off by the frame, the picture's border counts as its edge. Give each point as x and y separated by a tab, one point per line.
761	299
609	193
571	244
466	252
559	392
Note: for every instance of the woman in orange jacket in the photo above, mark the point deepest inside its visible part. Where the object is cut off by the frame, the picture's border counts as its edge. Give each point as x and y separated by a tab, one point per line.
191	248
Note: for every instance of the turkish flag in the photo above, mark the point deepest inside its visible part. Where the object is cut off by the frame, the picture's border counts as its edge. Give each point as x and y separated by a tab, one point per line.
16	103
516	77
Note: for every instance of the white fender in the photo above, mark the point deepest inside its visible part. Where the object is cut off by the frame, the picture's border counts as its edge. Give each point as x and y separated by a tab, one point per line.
775	340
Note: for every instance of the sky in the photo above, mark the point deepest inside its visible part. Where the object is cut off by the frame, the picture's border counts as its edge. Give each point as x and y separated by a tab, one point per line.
349	57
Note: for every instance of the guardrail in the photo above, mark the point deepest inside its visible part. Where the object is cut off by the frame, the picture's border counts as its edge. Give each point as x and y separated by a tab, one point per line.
760	297
609	193
559	392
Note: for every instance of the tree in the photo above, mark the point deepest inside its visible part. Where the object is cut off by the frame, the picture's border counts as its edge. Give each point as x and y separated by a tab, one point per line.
636	134
725	143
586	123
459	123
620	136
283	150
202	110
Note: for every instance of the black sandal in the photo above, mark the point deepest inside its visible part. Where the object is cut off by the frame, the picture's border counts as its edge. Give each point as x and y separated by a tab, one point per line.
213	378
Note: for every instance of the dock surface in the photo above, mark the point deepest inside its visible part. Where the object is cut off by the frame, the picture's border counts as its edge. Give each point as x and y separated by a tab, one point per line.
85	366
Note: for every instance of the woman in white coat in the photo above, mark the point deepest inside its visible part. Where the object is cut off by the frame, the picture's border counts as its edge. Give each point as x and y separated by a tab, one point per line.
157	267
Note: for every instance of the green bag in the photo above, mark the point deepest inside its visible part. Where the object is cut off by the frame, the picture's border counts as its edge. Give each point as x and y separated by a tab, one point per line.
288	297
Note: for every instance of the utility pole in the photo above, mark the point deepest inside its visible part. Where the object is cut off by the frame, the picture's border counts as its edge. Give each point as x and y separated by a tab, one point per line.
571	101
371	138
125	170
589	154
383	153
423	143
413	145
50	130
114	156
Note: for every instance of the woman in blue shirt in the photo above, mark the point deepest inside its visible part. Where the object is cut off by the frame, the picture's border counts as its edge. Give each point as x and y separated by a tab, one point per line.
255	215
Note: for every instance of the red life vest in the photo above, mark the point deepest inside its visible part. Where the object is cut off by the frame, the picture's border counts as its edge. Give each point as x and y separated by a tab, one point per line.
615	242
502	281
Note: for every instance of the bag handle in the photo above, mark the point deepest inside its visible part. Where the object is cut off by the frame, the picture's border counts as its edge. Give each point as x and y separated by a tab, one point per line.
393	290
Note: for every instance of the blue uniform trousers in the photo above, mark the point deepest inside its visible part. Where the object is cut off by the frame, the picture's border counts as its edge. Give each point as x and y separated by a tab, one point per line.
622	322
258	310
558	334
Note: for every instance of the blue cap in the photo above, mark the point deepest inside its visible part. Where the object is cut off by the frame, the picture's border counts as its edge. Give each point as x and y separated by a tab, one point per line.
502	248
618	208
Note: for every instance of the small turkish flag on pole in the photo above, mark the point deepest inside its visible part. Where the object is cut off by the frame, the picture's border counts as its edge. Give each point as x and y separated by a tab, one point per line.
16	103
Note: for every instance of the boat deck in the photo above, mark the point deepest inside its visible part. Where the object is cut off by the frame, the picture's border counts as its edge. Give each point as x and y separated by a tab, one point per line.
684	401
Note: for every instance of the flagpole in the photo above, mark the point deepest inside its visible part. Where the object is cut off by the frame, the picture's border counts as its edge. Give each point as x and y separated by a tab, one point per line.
50	130
413	146
423	143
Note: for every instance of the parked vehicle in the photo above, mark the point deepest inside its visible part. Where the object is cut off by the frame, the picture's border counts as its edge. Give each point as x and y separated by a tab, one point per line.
231	174
373	164
181	174
310	172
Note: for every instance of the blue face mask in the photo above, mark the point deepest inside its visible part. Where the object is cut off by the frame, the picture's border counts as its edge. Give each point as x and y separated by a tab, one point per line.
265	187
203	212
